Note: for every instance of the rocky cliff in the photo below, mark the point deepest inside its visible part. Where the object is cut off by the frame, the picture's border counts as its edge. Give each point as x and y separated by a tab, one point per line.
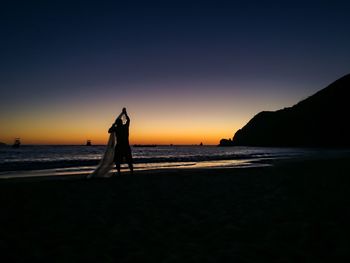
322	120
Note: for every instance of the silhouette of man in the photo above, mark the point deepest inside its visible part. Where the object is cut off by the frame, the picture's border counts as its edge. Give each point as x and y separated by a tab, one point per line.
122	148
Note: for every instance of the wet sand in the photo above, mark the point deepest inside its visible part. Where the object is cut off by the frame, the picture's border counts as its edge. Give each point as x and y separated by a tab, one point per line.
294	211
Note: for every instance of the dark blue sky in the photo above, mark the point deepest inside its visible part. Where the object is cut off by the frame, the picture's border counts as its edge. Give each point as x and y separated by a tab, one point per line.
54	53
94	43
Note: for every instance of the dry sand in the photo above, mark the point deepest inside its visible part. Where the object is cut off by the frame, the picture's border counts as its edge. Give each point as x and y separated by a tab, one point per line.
295	211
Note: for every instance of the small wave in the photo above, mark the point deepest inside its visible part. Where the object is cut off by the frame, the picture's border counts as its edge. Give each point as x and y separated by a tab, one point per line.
146	162
68	157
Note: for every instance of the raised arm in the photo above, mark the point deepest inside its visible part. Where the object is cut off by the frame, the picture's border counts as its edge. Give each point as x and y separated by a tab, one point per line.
112	129
127	120
120	115
127	117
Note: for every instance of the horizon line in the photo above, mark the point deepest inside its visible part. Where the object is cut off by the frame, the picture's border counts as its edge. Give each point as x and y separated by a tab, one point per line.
133	145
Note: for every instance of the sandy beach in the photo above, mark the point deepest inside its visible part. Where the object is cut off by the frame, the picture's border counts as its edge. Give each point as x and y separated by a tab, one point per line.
294	211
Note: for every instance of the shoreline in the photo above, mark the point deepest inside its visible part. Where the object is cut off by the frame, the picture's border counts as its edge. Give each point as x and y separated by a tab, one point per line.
81	172
66	171
67	158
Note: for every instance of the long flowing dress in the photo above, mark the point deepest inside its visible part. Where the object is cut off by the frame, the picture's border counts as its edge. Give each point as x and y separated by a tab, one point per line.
106	164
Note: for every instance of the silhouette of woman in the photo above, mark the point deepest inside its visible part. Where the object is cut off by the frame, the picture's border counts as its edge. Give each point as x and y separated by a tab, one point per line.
115	151
122	149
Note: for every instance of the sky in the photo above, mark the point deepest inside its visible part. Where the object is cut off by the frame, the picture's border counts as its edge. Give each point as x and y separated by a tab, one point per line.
187	72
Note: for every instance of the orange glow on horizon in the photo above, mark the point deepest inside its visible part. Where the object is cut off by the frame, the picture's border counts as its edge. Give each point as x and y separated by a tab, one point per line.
158	138
77	133
183	121
74	126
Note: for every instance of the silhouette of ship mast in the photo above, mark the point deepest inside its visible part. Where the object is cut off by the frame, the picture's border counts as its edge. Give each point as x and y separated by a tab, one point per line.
17	143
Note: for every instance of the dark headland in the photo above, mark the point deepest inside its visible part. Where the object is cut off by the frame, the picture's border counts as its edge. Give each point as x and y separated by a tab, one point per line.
318	121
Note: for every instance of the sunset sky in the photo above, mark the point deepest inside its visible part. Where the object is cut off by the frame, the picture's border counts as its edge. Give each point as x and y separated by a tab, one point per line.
187	73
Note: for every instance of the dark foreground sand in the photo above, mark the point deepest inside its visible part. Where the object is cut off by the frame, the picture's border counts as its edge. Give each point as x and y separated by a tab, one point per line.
296	211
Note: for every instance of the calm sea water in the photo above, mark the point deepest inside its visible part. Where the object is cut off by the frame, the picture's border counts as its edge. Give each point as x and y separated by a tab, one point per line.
85	158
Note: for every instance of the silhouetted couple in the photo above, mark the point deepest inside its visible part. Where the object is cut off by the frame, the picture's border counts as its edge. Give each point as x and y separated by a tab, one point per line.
117	149
122	148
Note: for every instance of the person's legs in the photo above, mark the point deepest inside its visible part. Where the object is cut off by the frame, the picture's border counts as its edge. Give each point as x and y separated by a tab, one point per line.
118	160
131	167
117	165
129	160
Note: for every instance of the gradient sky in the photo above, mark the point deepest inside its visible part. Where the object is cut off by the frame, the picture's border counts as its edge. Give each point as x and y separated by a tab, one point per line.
187	73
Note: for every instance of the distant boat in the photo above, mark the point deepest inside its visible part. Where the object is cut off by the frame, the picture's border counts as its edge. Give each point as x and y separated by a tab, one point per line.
17	143
88	143
201	144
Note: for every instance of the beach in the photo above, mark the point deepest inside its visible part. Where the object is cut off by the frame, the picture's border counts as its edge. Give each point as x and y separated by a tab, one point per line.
293	211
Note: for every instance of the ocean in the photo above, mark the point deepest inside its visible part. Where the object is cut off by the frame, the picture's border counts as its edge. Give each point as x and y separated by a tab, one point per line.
57	160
